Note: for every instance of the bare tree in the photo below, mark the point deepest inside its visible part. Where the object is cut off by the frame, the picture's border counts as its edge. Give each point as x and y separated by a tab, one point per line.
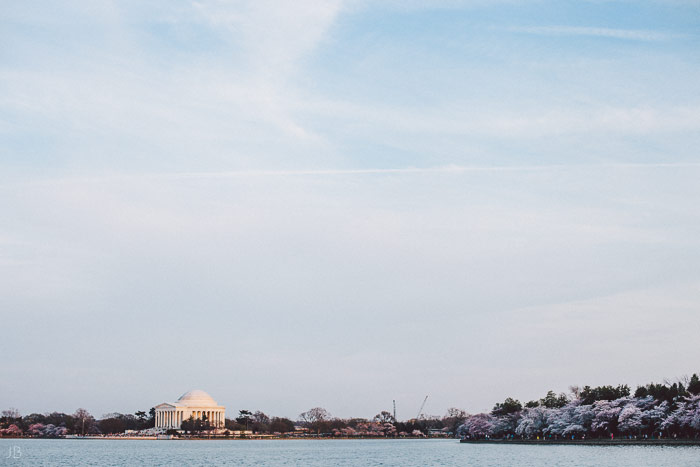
314	418
261	422
575	391
84	422
10	413
454	418
384	417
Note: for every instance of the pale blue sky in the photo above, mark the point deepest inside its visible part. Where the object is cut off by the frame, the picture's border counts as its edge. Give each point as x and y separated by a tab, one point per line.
341	203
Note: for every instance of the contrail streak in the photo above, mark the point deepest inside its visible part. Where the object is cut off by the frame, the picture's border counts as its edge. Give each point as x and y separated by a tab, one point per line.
454	169
420	170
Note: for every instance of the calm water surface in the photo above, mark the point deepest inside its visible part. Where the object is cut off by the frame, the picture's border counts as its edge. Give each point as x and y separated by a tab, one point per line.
38	452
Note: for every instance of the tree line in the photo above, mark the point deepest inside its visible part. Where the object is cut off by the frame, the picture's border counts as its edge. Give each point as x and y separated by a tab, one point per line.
81	422
655	410
314	422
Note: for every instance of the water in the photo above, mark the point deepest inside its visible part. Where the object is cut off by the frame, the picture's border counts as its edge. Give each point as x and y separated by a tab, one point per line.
39	452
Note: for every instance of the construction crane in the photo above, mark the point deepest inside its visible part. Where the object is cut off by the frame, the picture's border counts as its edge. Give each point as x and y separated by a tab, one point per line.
420	412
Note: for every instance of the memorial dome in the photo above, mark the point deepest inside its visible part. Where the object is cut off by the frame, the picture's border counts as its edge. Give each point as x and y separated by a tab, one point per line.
197	398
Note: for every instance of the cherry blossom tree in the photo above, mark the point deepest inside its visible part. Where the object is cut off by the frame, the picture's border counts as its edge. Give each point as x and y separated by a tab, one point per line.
533	422
477	426
11	431
630	419
505	424
37	429
606	414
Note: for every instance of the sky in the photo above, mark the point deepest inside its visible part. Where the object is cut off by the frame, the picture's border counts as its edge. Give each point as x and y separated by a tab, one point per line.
344	203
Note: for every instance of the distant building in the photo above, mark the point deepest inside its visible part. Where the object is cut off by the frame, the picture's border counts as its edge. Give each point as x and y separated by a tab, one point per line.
197	403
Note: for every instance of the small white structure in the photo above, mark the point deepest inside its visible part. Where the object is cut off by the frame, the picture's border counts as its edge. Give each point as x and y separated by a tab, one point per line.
196	403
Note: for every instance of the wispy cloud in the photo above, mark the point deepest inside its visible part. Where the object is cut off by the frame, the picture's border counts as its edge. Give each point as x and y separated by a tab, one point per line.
526	122
613	33
275	37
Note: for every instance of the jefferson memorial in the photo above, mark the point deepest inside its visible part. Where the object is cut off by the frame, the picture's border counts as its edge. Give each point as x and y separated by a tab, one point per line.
197	403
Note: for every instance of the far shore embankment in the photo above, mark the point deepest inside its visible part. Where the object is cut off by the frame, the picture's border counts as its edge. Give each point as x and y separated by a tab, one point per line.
587	442
231	438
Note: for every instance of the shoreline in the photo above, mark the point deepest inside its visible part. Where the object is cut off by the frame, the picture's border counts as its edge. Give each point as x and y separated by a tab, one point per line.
291	438
588	442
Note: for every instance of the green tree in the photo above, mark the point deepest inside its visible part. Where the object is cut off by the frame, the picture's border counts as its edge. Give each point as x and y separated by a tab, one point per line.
589	395
195	426
111	425
694	384
281	425
552	401
506	407
244	417
142	418
189	425
152	417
